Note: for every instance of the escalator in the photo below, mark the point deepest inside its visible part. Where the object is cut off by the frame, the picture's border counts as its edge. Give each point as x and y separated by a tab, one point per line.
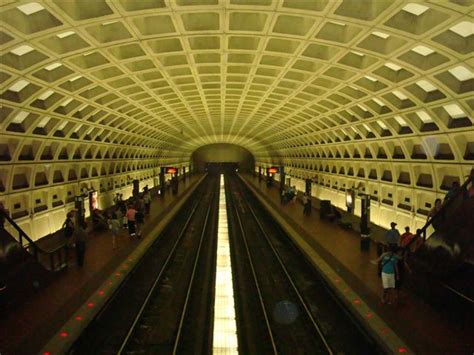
443	264
24	267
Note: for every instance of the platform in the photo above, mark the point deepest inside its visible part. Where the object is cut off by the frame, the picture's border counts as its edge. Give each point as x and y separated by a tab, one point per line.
423	328
25	329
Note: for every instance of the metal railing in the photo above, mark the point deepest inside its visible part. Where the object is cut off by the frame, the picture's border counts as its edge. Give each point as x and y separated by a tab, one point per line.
56	257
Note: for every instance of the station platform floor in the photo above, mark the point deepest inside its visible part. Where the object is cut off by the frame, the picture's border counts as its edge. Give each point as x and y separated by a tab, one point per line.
424	329
25	329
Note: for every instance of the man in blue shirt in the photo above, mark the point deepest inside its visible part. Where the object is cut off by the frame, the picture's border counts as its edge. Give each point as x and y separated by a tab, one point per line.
389	263
392	236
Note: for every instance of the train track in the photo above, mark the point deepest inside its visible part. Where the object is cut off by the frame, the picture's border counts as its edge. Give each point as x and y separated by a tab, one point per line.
152	311
283	306
166	305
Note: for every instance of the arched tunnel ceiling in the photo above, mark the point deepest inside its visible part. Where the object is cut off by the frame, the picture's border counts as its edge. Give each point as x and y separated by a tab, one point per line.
164	77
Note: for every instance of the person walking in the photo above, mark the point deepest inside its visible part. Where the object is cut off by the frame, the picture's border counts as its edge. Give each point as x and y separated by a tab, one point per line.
80	240
114	226
131	213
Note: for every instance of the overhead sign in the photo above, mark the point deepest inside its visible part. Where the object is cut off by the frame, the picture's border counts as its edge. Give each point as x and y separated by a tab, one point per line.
273	170
170	170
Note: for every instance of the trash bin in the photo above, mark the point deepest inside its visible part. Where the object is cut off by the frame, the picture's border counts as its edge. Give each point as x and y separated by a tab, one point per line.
364	241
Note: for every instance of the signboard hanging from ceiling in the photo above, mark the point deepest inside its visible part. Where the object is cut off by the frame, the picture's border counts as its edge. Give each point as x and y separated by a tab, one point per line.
170	170
273	170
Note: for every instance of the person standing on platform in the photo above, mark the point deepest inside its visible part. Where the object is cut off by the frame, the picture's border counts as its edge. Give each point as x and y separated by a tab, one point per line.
406	237
80	240
117	199
131	213
306	205
147	201
114	226
139	221
392	236
388	269
68	227
388	264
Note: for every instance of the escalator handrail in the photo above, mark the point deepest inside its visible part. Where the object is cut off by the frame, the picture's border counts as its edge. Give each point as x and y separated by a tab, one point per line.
24	235
421	233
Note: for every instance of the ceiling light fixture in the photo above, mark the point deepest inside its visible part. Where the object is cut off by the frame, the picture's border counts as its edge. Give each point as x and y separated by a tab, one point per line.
380	34
65	34
461	73
22	50
53	66
463	29
31	8
415	9
19	85
422	50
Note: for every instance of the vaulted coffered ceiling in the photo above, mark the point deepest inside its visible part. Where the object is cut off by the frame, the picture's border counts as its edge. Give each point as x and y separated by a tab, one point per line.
285	78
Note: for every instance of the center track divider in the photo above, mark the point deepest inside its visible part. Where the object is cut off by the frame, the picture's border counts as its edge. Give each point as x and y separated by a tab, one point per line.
372	323
72	329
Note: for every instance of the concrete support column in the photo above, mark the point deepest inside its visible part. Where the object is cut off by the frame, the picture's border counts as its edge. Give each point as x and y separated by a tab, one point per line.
282	178
136	188
162	182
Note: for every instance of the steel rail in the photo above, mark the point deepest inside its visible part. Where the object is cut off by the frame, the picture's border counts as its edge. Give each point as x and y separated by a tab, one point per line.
290	279
188	293
155	283
254	274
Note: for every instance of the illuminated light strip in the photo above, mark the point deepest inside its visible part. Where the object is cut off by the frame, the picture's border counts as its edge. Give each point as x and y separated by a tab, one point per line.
225	326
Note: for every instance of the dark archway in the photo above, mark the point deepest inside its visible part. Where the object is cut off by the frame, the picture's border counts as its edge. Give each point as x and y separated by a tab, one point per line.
223	153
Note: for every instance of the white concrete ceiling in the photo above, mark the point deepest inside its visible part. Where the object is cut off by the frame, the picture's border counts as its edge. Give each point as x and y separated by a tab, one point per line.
314	80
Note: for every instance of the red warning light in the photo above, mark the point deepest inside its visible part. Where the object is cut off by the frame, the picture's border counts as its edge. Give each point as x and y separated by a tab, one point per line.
90	305
369	315
47	353
402	350
78	318
101	292
63	334
356	301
